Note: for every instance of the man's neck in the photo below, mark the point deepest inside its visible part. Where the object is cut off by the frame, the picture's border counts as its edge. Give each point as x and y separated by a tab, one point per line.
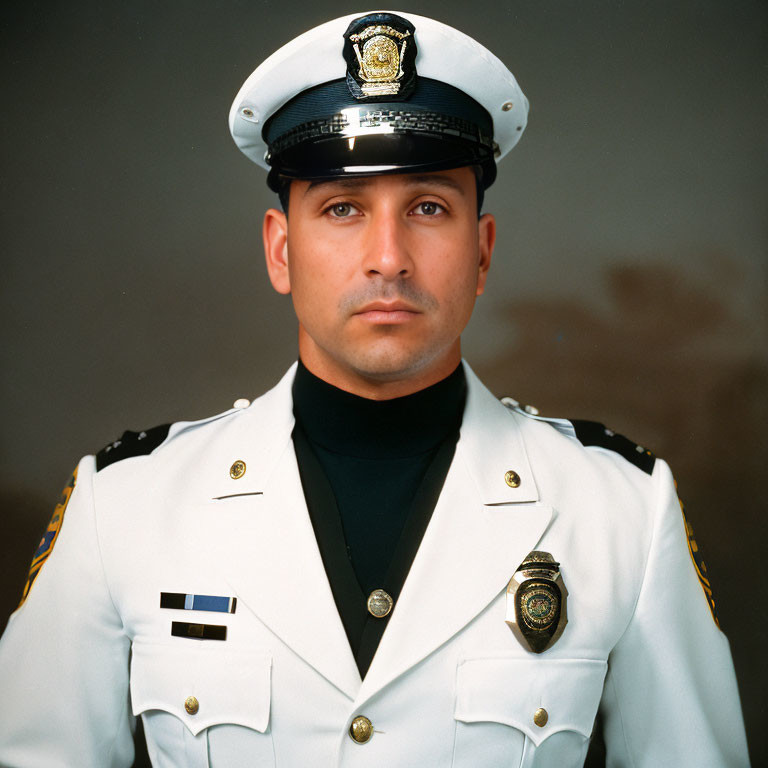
349	425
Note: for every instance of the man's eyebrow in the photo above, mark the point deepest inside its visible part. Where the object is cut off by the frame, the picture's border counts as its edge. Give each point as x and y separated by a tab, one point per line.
433	179
409	179
349	183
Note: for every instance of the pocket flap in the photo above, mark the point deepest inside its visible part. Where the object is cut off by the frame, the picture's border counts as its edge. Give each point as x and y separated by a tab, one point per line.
512	690
229	685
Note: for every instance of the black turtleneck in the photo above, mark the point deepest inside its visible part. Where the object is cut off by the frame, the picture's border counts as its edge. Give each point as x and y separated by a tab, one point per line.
372	471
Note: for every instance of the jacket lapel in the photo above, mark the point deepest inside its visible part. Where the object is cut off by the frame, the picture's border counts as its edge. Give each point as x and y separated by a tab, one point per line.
259	536
480	531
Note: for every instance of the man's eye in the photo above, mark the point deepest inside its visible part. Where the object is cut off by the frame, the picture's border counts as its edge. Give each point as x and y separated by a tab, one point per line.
342	210
428	208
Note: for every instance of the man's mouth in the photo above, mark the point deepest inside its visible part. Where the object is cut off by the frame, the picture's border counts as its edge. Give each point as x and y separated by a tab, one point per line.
388	312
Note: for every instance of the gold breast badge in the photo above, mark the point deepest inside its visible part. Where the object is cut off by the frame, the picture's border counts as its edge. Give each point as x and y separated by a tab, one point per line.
536	602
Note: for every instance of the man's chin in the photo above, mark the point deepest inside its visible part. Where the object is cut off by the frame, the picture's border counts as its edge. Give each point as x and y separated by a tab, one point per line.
392	364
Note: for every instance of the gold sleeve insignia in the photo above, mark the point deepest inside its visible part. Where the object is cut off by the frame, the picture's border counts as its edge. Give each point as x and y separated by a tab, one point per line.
699	565
45	547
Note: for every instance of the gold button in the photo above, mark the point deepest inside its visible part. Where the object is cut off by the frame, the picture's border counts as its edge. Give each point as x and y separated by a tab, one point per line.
191	705
361	729
237	470
540	717
379	603
512	479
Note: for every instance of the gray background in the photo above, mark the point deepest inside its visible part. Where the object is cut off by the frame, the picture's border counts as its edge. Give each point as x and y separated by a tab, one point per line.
629	284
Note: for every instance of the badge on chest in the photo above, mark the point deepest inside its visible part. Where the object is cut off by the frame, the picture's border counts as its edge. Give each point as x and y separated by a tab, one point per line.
536	602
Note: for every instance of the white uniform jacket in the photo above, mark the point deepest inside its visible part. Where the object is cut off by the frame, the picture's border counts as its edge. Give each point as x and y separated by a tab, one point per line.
450	685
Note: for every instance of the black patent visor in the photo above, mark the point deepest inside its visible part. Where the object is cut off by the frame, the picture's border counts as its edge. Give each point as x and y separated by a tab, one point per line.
373	155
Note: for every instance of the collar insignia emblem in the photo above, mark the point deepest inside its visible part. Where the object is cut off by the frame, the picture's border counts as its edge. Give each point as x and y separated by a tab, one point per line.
536	602
380	51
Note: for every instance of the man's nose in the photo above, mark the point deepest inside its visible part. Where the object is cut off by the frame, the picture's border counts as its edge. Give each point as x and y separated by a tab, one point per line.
386	249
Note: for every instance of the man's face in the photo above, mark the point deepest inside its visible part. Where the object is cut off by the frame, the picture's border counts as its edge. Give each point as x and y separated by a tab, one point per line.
383	272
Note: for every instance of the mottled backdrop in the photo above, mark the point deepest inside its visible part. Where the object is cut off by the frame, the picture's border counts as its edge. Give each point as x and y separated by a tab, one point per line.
630	276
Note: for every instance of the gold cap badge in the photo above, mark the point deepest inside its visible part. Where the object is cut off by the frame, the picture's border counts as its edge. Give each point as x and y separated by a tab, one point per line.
380	51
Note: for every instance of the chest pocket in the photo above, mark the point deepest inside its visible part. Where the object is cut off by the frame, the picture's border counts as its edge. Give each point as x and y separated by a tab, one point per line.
525	713
203	706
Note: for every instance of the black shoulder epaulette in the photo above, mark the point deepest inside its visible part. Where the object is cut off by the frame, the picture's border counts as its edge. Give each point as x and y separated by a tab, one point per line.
590	433
131	444
596	434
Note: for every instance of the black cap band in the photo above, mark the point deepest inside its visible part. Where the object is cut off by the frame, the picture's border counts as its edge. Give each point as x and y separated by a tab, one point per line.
320	134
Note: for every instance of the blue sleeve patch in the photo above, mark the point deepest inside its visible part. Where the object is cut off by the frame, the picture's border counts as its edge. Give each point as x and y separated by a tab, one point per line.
45	547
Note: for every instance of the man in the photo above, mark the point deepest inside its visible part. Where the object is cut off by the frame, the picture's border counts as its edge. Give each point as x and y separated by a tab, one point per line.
376	562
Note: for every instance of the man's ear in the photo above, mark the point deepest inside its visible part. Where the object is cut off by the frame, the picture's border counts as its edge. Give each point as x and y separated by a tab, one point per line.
275	234
486	232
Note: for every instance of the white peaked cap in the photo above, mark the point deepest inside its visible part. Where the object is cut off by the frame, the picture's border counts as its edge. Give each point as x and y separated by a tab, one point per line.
316	57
